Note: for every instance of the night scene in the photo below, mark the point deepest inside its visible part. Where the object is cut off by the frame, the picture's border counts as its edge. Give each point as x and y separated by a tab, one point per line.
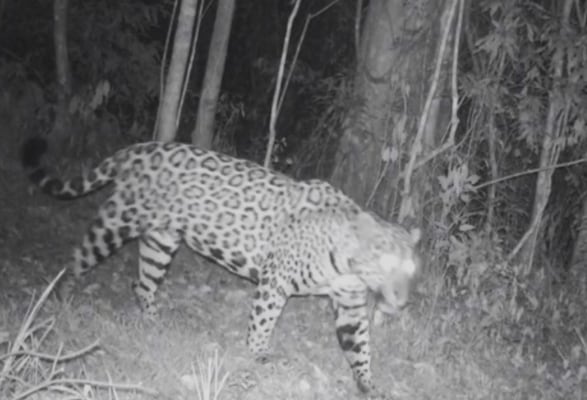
293	199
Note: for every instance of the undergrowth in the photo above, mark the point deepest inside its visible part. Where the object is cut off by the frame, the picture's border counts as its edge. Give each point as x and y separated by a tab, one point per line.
29	371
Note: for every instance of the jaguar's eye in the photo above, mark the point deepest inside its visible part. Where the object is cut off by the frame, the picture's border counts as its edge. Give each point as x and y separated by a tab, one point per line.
389	262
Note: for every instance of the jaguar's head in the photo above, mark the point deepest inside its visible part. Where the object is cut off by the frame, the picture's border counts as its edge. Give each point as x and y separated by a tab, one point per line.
399	272
389	259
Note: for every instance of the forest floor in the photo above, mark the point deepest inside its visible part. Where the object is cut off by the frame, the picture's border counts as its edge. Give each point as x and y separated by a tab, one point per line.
425	353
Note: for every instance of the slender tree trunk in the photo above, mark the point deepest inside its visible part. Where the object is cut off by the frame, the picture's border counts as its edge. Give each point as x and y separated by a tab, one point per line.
60	132
549	154
203	133
176	76
396	55
578	265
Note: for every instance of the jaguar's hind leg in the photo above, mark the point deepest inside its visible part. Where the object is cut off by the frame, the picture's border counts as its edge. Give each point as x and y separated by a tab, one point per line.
105	234
268	302
156	250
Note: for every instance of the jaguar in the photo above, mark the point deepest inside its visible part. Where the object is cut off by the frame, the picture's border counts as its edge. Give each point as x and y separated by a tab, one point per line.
289	237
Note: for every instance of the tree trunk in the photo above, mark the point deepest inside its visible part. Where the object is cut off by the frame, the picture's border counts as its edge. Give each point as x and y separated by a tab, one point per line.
549	153
176	76
60	132
397	50
203	133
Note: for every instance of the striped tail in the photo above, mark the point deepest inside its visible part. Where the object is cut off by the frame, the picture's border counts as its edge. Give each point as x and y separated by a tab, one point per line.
32	152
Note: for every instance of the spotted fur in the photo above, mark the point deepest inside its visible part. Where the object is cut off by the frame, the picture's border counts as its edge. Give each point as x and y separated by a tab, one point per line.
289	237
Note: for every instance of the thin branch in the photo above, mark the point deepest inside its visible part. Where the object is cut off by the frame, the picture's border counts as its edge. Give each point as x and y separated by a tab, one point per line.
292	65
417	146
529	172
387	162
450	142
277	94
378	182
52	383
297	52
200	14
358	13
436	152
163	63
582	339
51	357
24	329
454	122
493	168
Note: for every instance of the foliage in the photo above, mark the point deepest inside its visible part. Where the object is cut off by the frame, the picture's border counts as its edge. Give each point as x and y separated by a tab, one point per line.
509	86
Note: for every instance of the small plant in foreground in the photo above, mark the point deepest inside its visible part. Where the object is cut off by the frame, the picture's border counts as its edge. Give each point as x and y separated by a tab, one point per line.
207	381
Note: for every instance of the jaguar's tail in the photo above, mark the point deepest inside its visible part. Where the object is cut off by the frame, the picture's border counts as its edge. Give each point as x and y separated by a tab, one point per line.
32	152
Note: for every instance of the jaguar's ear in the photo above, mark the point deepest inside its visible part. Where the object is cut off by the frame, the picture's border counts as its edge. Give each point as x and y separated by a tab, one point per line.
415	235
365	224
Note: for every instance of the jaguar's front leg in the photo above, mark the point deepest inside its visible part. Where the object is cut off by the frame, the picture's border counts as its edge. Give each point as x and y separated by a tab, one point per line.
268	302
352	328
